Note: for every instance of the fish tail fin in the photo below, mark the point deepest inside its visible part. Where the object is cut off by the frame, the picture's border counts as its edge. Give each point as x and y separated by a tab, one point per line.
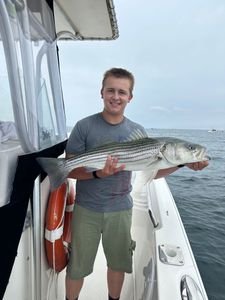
54	168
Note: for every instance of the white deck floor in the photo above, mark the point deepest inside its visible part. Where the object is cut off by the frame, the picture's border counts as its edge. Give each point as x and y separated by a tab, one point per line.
136	286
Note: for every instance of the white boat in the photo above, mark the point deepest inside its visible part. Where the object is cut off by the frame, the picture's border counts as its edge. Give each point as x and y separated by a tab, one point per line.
33	124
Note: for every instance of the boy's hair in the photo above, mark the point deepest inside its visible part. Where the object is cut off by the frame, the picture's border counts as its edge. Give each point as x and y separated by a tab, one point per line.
119	73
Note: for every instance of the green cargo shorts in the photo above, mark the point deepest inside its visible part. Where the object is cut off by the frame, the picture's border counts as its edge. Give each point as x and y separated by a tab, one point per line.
88	227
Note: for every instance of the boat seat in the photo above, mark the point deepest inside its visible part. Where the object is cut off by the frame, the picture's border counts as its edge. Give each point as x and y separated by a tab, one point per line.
9	151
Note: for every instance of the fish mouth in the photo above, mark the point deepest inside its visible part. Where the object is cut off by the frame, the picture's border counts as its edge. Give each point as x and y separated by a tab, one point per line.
204	156
200	154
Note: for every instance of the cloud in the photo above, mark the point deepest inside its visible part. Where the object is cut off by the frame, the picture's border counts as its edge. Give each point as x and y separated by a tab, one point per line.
159	109
210	15
175	50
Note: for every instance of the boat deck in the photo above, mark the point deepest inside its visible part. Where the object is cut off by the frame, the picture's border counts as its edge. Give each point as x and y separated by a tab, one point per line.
137	284
145	283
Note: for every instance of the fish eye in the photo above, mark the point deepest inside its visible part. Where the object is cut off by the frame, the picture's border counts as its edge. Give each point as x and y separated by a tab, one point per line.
190	147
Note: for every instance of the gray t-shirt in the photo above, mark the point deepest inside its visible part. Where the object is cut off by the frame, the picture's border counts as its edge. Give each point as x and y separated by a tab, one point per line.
110	193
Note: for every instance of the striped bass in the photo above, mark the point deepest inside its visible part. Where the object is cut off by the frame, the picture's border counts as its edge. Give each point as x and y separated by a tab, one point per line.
142	154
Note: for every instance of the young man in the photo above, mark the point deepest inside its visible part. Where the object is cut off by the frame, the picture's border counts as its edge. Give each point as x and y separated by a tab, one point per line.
103	206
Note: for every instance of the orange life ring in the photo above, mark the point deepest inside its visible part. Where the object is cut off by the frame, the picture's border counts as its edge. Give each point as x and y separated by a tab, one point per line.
58	225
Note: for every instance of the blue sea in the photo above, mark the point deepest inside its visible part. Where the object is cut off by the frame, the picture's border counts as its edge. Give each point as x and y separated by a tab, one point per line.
200	198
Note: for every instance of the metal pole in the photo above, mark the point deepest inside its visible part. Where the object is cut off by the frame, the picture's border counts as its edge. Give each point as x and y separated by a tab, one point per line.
37	239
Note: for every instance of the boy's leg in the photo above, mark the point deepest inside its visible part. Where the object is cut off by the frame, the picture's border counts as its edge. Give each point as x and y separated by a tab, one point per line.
118	247
86	235
115	282
73	288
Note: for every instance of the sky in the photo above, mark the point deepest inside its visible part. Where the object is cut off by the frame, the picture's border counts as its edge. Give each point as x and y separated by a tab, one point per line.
176	51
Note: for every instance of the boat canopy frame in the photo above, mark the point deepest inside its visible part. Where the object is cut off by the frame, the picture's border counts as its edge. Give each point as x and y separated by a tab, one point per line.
26	62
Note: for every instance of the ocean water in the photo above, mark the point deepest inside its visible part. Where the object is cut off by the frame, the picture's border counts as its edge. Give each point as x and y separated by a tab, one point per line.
200	198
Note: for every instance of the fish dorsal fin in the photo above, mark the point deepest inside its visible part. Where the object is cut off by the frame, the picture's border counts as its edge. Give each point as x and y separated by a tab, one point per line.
136	135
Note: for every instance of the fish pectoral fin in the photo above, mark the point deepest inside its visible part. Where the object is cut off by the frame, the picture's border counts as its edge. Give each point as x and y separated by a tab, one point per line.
152	163
141	179
159	156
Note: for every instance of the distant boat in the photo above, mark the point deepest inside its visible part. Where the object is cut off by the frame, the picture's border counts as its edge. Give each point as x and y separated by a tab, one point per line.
212	130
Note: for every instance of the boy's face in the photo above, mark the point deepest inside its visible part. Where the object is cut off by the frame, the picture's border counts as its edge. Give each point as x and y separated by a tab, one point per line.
116	94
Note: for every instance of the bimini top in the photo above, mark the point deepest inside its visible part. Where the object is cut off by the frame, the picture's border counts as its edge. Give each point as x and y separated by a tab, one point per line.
85	19
65	19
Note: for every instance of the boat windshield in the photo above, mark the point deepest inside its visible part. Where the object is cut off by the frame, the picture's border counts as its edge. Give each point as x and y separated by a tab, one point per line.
30	87
6	112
